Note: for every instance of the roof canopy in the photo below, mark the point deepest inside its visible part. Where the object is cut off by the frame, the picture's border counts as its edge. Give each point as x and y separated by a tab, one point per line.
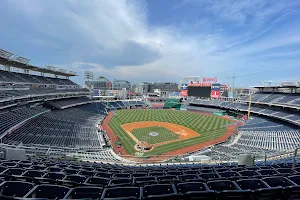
9	59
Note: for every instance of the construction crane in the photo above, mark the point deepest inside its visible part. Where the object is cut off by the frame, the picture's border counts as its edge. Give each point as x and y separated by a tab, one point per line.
237	75
263	82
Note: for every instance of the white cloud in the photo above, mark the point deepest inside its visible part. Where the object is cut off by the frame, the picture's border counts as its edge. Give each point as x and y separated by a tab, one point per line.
114	37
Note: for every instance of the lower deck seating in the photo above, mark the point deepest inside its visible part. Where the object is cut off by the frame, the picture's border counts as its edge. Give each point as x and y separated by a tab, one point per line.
73	127
11	118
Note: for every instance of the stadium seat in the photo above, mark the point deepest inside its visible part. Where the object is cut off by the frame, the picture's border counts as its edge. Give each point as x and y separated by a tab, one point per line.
115	182
147	180
285	171
278	181
251	184
84	193
295	179
191	172
2	168
74	180
33	173
14	171
194	190
70	171
38	167
207	176
135	175
176	173
189	177
122	175
227	174
86	173
268	172
104	175
221	185
54	176
248	173
159	191
121	193
53	169
48	191
167	179
97	181
15	188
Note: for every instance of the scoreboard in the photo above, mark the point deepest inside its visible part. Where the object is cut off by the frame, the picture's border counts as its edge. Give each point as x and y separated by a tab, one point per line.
199	91
205	90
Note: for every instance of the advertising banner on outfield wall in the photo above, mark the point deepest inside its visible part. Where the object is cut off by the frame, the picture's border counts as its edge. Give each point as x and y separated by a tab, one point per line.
184	93
215	90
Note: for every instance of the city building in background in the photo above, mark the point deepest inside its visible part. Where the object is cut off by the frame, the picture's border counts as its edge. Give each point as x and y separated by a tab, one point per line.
100	83
143	88
120	84
163	87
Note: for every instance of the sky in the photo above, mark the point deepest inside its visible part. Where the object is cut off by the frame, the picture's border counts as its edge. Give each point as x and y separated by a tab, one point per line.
158	40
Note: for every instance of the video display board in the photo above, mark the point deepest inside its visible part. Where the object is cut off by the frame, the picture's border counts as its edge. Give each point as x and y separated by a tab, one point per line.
199	91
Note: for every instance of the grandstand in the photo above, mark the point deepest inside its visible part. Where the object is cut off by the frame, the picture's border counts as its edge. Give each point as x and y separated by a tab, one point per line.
55	122
273	128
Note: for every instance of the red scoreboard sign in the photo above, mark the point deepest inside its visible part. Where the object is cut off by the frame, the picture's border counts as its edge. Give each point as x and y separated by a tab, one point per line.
200	84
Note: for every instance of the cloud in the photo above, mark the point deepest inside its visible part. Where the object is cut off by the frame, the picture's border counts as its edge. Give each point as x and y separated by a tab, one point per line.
118	40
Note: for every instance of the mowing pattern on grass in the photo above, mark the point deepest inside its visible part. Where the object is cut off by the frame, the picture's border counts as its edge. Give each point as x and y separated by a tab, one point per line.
209	127
164	134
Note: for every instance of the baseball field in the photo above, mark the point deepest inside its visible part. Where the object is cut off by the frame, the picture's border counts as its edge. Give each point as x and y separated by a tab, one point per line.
165	130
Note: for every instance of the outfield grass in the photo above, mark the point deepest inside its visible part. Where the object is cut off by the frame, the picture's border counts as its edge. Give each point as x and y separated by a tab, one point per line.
164	134
208	127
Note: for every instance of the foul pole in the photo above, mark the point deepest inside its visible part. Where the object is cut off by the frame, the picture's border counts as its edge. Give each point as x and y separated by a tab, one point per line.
249	106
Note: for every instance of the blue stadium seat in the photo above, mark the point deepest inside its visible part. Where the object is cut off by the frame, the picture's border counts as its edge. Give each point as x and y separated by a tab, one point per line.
209	176
167	179
15	188
74	180
104	175
220	185
70	171
191	172
146	180
48	191
194	190
53	169
122	175
14	171
97	181
285	171
278	181
159	191
268	172
190	177
54	175
86	173
248	173
135	175
115	182
33	173
84	193
295	179
121	193
251	184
